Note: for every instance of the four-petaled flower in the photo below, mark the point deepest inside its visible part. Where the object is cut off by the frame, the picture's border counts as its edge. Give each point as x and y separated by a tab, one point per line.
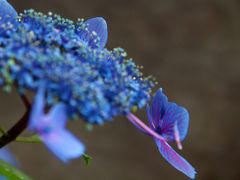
51	128
168	122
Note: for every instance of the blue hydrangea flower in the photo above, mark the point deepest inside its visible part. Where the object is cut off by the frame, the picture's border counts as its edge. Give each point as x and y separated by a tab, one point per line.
51	128
93	82
170	123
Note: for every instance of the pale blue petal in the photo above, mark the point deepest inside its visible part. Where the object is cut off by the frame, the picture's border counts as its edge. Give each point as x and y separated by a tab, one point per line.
7	156
158	106
63	144
57	116
99	25
175	159
7	12
37	110
3	178
150	120
183	123
175	114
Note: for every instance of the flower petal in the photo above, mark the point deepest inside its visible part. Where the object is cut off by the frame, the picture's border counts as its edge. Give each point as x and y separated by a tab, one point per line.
57	116
158	106
63	144
150	120
99	25
7	12
37	110
3	178
175	159
175	115
7	156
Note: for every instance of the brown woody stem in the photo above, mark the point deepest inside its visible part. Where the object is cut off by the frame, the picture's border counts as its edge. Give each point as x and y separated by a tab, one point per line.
19	127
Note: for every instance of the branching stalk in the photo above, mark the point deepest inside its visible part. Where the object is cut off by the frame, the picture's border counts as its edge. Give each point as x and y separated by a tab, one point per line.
19	127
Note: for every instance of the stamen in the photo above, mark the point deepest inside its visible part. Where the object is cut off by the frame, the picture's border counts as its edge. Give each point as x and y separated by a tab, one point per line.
177	137
132	117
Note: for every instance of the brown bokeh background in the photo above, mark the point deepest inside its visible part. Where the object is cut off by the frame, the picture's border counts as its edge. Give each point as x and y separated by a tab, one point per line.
193	50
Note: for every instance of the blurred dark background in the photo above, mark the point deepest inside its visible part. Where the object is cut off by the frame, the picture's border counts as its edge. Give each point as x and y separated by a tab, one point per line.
193	50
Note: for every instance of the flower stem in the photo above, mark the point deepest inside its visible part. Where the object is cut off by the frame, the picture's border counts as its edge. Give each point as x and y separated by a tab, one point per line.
19	127
32	139
25	101
16	130
132	117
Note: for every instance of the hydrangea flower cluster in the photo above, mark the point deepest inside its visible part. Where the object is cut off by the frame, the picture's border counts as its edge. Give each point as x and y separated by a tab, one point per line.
72	73
94	83
69	64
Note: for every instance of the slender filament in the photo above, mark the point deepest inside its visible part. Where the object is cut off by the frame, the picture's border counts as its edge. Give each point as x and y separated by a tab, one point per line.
177	137
132	117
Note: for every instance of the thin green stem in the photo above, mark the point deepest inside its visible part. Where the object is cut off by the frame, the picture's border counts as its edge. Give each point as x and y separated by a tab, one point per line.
32	139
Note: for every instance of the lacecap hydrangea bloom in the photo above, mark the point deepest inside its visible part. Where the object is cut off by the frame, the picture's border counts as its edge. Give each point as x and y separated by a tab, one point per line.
78	71
93	82
73	74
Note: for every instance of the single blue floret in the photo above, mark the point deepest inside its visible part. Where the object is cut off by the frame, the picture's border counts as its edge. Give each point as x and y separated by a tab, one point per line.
168	122
51	128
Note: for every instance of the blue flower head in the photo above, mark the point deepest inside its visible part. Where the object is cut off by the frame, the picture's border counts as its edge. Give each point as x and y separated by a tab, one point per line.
168	122
93	82
51	128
